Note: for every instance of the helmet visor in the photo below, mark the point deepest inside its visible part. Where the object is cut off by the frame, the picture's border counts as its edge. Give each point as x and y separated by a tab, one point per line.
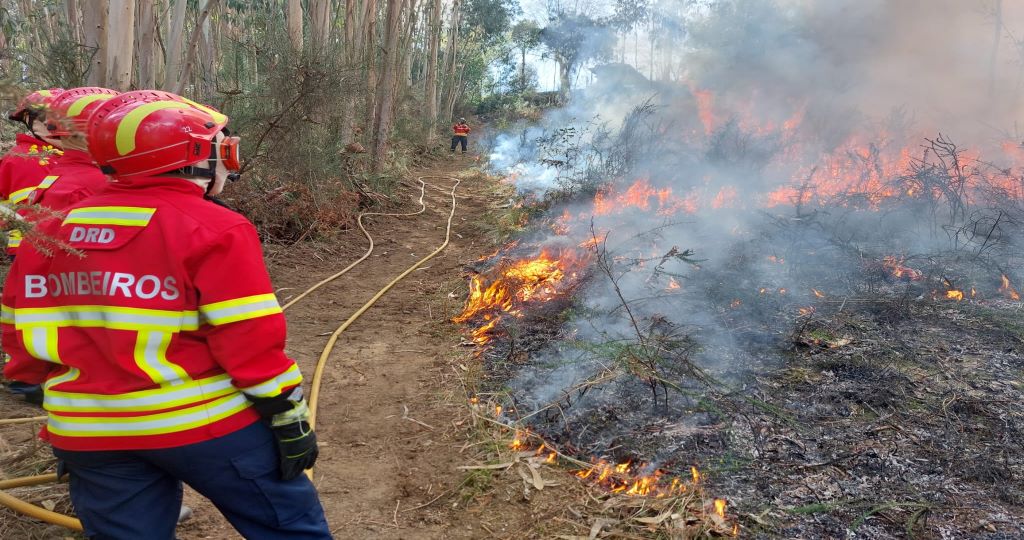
229	154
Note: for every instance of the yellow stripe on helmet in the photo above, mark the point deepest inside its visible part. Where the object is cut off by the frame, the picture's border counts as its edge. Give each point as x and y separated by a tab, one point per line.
81	103
129	125
219	118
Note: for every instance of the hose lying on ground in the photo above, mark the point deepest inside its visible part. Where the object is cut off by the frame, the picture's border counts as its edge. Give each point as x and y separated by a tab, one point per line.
72	523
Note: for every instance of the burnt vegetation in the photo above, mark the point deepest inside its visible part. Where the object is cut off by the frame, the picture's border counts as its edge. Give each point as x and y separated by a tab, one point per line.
849	363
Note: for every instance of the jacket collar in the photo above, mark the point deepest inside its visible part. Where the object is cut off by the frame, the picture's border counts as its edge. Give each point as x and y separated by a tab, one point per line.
162	183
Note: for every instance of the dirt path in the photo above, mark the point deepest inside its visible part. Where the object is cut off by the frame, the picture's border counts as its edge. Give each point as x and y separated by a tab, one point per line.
389	404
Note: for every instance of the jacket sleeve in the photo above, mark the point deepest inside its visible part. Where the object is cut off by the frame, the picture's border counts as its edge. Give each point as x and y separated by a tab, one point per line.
245	325
20	366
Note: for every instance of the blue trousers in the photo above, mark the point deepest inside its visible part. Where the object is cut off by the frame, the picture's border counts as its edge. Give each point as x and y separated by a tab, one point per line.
134	494
460	140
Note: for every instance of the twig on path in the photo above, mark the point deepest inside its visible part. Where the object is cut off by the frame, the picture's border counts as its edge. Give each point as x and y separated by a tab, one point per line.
394	517
405	416
428	503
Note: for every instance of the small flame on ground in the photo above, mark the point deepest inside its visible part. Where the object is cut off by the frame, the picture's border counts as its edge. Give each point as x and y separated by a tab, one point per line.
955	294
696	474
1008	289
805	311
818	293
895	266
672	285
735	303
720	507
777	260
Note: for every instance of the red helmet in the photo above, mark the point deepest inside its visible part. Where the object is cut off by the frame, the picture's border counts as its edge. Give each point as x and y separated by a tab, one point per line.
34	104
69	112
149	132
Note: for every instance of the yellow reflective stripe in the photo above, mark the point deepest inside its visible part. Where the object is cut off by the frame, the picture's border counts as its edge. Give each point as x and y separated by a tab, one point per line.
111	215
6	314
240	309
81	103
151	357
71	375
44	93
276	385
153	424
143	400
41	343
129	125
21	194
47	182
218	117
114	318
14	239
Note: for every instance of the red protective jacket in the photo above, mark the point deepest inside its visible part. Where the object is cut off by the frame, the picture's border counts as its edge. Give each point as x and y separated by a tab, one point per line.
21	172
460	130
150	340
72	179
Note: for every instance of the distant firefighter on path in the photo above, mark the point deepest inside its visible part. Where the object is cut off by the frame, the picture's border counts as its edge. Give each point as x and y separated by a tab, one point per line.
460	135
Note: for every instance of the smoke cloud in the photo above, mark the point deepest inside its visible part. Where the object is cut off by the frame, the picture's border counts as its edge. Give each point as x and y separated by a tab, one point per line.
792	145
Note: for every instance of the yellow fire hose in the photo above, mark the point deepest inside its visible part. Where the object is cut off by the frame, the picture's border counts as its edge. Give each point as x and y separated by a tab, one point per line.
69	522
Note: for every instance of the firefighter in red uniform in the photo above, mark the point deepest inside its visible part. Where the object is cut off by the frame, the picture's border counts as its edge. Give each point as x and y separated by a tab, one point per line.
33	155
460	135
162	349
76	176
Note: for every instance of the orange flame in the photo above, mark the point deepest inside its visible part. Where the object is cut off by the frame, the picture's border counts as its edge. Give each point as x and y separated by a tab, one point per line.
955	294
735	303
536	279
673	285
895	266
1008	289
818	293
720	507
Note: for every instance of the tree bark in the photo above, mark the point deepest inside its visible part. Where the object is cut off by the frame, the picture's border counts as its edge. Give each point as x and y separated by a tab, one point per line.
430	94
95	27
120	43
190	53
172	60
448	84
146	37
74	20
295	24
320	24
370	65
351	53
387	88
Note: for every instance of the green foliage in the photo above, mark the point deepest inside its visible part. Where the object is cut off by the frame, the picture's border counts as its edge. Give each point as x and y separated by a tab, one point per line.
491	18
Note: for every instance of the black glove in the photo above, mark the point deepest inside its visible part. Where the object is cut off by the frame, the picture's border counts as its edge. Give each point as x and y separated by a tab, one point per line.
296	448
32	393
288	417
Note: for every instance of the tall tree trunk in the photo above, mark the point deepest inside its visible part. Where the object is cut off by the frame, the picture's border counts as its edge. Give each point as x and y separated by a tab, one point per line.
295	24
120	43
146	38
74	20
370	66
172	59
351	53
95	27
387	88
190	52
430	94
320	20
450	57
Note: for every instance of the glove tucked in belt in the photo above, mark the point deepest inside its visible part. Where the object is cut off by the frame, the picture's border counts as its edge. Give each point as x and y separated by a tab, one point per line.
288	416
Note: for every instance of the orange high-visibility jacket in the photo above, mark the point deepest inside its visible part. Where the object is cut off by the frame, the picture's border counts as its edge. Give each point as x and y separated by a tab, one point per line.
460	130
21	170
152	338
